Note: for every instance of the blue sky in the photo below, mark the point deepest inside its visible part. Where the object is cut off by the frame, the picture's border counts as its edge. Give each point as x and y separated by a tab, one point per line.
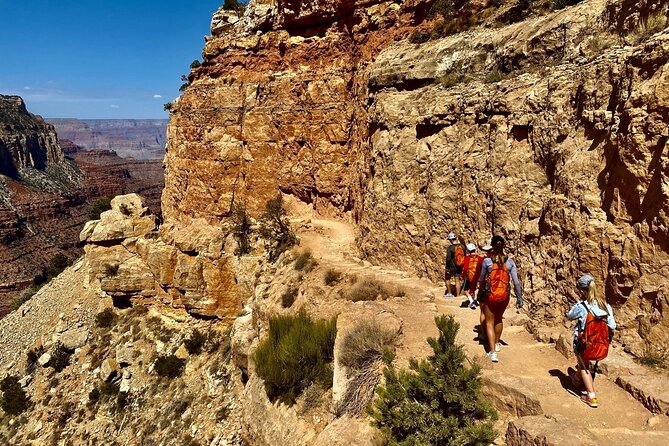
100	59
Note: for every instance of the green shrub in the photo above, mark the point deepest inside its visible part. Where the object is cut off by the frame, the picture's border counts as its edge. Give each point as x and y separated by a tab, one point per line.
105	318
436	401
195	64
332	277
364	345
169	366
234	5
419	37
288	297
305	261
368	289
653	356
275	228
57	265
494	76
295	354
195	342
60	358
98	207
241	228
14	400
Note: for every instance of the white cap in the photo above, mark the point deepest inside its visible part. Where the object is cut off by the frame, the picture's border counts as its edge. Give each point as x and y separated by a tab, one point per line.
471	247
451	236
486	246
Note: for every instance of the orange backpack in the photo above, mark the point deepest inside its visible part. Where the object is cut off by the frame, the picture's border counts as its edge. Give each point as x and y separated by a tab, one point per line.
471	267
459	255
498	283
593	342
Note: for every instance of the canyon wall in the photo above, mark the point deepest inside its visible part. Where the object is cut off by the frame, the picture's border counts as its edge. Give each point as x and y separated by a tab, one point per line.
45	195
550	132
140	139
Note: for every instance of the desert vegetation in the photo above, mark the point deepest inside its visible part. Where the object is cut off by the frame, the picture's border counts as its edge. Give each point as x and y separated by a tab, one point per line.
275	229
436	401
297	353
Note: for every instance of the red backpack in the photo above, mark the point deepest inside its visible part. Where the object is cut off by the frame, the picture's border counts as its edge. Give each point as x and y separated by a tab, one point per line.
498	283
593	342
459	255
471	267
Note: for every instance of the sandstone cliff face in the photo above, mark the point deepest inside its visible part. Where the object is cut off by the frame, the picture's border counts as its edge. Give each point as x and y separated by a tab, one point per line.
26	141
564	154
277	105
551	132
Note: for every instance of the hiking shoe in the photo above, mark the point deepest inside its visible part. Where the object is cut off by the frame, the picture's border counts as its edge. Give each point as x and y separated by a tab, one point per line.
448	295
493	356
498	347
472	305
592	402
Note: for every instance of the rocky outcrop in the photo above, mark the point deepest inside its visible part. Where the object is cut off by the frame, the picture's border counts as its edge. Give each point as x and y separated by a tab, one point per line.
45	197
140	139
473	134
26	141
131	259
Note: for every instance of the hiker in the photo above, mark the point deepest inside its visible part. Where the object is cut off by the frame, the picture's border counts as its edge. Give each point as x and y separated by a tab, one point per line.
455	259
480	296
592	334
470	273
497	273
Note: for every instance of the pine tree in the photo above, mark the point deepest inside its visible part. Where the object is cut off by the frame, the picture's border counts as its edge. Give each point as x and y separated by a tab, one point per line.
437	401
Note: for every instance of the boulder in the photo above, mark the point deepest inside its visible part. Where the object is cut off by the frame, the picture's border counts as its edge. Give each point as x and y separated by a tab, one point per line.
650	389
565	347
44	360
347	431
124	354
74	338
547	431
128	217
509	394
109	369
25	381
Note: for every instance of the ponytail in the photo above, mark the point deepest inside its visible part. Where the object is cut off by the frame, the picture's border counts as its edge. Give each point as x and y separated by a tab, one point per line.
592	296
498	250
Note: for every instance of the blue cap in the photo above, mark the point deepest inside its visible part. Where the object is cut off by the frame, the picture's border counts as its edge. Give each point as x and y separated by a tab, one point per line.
585	281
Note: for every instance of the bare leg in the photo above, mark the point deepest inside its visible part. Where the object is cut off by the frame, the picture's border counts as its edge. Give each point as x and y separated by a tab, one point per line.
490	326
499	326
457	285
586	377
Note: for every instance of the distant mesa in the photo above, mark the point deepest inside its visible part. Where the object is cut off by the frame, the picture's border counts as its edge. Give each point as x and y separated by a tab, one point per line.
140	139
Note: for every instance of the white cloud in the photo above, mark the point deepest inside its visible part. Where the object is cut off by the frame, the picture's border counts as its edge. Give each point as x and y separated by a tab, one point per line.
114	106
157	96
27	88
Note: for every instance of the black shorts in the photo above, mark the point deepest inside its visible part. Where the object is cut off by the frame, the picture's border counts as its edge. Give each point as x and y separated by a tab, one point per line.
455	271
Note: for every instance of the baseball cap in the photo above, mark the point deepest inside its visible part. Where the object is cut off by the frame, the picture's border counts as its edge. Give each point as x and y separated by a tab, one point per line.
471	247
585	281
451	236
486	246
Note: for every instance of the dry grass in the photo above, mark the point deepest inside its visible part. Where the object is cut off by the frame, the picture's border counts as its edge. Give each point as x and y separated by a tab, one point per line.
368	289
332	277
305	261
651	25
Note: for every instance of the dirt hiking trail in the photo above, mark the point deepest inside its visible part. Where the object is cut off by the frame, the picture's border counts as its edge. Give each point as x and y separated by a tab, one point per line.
528	380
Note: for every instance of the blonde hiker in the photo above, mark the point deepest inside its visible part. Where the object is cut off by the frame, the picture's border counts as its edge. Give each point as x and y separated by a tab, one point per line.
592	333
497	273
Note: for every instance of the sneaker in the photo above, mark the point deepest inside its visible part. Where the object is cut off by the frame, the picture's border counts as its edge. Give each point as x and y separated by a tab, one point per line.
472	305
448	295
493	356
592	402
498	347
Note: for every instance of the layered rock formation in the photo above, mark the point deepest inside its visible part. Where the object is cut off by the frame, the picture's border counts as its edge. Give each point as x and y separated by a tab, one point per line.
140	139
25	140
551	132
45	196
